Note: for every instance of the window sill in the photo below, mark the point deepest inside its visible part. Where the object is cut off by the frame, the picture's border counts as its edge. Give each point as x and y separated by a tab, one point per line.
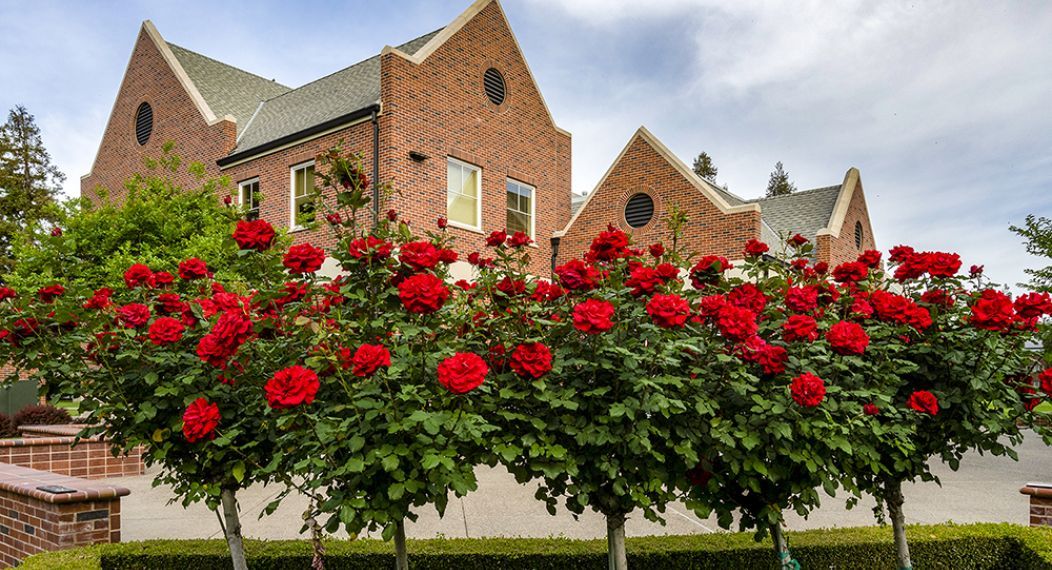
297	230
465	227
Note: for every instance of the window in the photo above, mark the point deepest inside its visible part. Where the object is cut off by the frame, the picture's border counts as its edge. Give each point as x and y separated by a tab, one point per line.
858	235
520	208
248	197
463	196
302	199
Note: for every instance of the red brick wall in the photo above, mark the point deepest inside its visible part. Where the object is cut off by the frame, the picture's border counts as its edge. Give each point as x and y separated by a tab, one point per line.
439	108
840	249
642	169
29	526
90	459
175	118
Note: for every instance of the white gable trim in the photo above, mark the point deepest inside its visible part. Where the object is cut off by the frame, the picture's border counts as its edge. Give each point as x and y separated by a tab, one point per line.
843	202
466	16
701	184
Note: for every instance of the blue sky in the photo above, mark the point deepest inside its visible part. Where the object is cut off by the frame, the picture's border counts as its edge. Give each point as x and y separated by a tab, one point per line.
945	107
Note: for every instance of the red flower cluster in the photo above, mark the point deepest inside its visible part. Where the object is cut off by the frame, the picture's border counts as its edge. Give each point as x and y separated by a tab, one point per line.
993	311
608	245
137	275
577	275
802	299
231	331
200	420
193	268
369	358
668	311
303	258
7	293
254	234
747	296
50	293
593	316
1033	305
370	248
755	248
771	358
291	387
419	255
850	272
166	330
924	401
462	372
422	293
736	323
531	360
807	390
800	327
893	308
913	264
100	299
645	280
846	338
708	270
133	315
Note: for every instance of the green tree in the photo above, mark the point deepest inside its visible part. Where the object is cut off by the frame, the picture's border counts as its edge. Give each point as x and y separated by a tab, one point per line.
779	183
1038	234
29	182
705	168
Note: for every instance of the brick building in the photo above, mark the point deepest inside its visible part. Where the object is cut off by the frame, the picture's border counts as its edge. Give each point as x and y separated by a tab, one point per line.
455	123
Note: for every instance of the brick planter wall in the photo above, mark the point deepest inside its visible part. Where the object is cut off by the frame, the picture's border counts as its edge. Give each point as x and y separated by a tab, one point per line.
33	521
90	458
1040	503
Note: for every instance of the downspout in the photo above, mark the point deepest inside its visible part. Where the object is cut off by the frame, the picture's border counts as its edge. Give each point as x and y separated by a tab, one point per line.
555	253
376	169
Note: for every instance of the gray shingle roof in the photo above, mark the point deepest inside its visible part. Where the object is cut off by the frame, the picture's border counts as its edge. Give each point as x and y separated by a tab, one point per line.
332	96
227	89
803	212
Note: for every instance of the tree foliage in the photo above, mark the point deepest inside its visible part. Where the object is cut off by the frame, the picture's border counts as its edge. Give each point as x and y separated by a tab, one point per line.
1038	234
705	167
779	184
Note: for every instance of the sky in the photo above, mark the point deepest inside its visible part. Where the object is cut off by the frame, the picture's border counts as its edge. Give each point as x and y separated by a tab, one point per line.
945	107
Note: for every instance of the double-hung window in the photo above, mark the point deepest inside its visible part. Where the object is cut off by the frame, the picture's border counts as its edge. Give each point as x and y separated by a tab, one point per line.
520	207
464	194
301	204
248	197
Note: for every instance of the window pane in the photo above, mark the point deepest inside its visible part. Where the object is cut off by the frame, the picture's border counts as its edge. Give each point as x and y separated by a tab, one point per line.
470	187
513	200
462	193
309	175
518	222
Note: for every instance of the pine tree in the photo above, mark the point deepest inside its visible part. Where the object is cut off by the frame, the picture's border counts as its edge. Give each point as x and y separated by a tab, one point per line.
29	183
779	183
704	167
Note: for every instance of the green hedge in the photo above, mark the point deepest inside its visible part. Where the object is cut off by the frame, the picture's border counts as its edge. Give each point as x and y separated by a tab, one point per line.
942	546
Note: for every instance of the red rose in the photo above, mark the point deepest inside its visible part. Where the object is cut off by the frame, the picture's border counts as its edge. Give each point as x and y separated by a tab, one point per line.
861	308
609	245
821	267
870	258
304	258
100	299
899	253
736	323
519	239
137	275
497	238
193	268
668	311
334	219
802	299
937	297
511	287
56	232
166	330
943	264
134	315
200	420
7	293
160	279
993	311
708	270
657	249
476	259
531	360
911	266
50	293
392	215
800	327
443	222
233	328
918	317
850	272
710	305
975	270
293	386
698	475
255	234
447	256
755	248
1033	305
462	372
808	390
422	293
846	337
1045	377
419	255
369	358
214	351
577	275
797	240
24	328
370	248
924	401
546	292
870	409
770	358
747	296
644	280
170	303
593	316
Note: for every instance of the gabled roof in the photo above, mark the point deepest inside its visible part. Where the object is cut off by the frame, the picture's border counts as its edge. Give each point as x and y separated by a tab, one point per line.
805	212
348	90
227	89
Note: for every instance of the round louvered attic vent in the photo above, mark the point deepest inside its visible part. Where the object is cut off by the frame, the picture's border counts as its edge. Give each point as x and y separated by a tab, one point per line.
858	235
639	210
143	123
494	84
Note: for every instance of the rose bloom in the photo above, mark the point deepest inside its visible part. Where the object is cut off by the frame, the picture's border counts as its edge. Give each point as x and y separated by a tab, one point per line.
166	330
593	316
709	306
160	279
736	323
797	240
137	275
668	311
937	297
657	249
943	264
511	287
546	292
577	275
419	255
519	239
747	296
802	299
303	258
800	327
422	293
861	308
846	337
233	327
1033	305
462	372
369	358
870	409
755	248
497	238
7	293
609	245
200	420
850	272
50	293
924	401
476	259
193	268
993	311
255	234
808	390
644	280
134	315
531	360
100	299
912	266
293	386
975	270
821	267
870	258
1045	377
370	248
899	253
215	352
708	270
770	358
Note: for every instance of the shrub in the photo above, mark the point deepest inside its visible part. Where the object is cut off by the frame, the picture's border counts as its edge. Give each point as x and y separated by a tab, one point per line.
7	427
41	415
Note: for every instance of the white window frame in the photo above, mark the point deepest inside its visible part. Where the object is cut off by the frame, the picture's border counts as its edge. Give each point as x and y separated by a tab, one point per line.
478	202
241	193
533	204
292	194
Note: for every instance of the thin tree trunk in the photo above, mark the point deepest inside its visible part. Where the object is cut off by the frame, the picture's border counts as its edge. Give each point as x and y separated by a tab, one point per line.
781	548
401	555
615	542
893	498
232	529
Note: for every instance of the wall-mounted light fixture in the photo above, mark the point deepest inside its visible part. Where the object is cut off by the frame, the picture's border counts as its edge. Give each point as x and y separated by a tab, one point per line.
417	156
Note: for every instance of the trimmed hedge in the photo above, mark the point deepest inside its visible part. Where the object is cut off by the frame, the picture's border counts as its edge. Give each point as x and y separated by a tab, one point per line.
985	546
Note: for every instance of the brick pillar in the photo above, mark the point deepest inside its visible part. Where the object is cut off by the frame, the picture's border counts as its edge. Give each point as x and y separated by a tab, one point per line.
1040	503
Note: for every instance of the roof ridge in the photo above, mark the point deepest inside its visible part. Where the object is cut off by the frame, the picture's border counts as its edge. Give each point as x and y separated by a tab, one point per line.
797	193
234	67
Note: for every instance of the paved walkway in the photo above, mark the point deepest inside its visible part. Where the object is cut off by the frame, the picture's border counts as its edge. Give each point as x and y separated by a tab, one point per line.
985	489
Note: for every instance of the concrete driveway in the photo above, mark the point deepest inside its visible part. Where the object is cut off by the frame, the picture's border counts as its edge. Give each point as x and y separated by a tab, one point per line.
985	489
